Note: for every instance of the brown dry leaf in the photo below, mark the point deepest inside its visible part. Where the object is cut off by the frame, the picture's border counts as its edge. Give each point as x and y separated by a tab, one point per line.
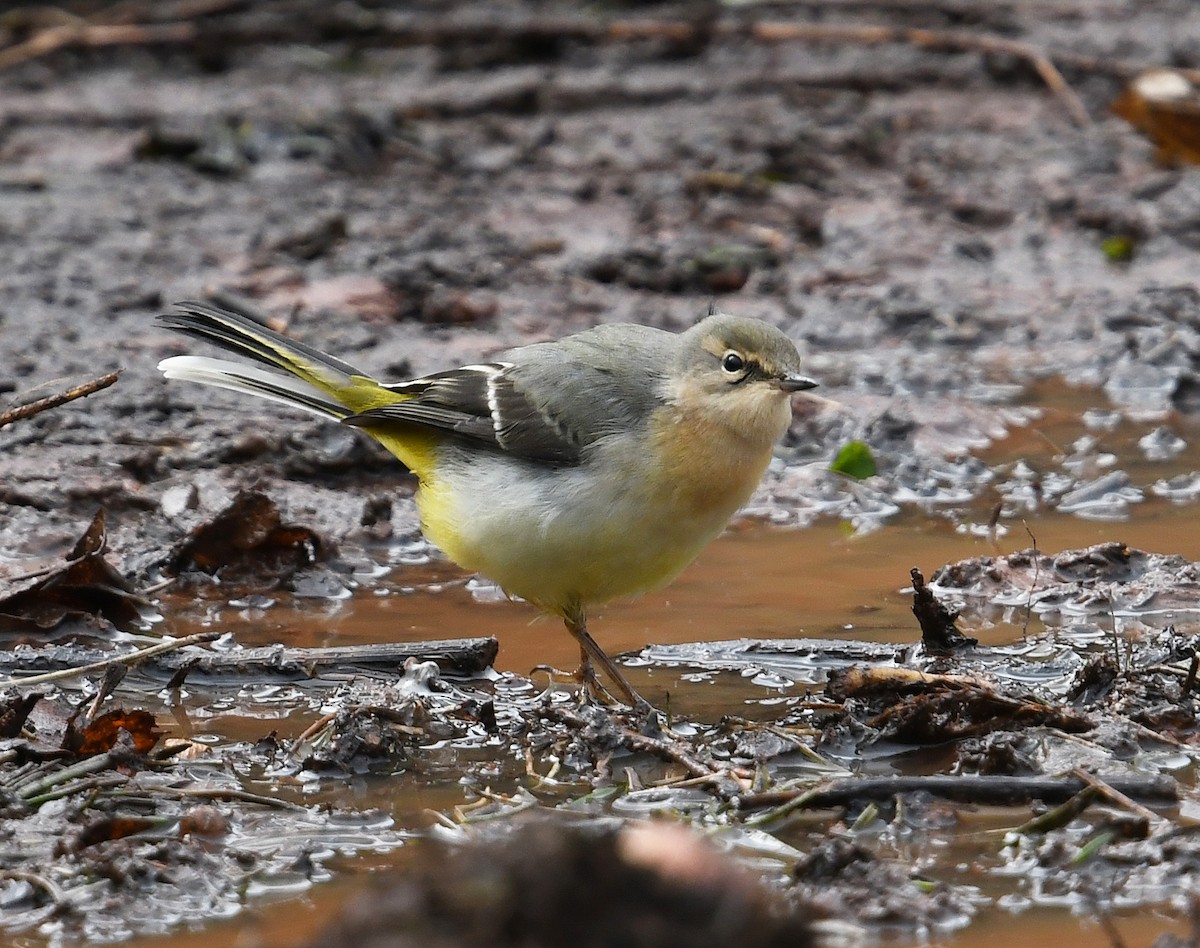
203	820
108	828
15	711
954	714
42	595
920	708
102	735
1165	107
247	541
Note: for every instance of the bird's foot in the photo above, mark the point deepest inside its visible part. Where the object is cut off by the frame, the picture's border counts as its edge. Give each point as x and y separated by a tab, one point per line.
584	677
592	691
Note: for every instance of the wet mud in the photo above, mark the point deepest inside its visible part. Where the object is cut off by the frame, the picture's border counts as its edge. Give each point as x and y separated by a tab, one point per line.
994	282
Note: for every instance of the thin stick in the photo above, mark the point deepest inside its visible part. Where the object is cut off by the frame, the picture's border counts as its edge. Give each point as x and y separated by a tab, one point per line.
313	728
216	793
1037	566
1113	795
21	412
131	659
769	32
20	875
60	778
100	782
639	742
93	35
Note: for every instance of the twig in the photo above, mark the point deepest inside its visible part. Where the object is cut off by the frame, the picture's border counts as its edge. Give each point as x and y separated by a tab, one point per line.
1113	795
89	765
216	793
158	587
634	741
130	659
313	729
57	896
1061	815
99	782
21	412
1037	565
668	751
769	32
992	789
94	35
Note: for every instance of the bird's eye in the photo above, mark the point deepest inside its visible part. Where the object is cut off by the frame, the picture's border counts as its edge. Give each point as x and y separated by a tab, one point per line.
732	363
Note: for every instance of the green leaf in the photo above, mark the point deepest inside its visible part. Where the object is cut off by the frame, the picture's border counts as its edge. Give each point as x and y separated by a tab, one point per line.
854	460
1118	248
1093	846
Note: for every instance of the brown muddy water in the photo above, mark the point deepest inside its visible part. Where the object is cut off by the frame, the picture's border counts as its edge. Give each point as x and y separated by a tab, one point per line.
822	581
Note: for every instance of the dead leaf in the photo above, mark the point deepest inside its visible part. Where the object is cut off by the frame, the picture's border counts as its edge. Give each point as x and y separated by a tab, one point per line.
1165	107
109	828
42	594
203	820
102	734
15	711
248	542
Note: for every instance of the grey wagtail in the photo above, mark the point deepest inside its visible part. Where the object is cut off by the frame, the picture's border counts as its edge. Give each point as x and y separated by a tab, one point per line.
572	472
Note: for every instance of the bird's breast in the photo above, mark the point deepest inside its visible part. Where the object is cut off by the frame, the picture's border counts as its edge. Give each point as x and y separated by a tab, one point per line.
628	519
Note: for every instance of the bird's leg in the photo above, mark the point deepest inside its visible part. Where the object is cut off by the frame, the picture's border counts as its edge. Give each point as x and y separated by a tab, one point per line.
586	676
591	652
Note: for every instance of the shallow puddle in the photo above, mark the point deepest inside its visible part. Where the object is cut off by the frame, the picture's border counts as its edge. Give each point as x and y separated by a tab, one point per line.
822	581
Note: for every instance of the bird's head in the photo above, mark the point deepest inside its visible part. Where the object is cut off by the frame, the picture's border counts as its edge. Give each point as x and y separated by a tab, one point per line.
740	373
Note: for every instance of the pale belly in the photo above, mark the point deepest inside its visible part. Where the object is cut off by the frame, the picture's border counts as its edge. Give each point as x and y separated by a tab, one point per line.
564	537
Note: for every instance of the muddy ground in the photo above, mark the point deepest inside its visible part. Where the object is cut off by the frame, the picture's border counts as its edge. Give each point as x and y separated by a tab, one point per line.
425	185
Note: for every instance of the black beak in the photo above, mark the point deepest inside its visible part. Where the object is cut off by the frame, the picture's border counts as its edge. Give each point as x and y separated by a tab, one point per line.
795	383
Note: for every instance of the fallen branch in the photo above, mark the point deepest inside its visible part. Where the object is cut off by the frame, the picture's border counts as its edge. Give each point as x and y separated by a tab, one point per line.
462	656
129	660
989	790
28	410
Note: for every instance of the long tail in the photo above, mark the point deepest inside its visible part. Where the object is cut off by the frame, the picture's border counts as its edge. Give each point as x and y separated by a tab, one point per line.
315	382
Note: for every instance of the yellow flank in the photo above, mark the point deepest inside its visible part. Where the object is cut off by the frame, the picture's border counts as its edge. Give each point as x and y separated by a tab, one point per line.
417	449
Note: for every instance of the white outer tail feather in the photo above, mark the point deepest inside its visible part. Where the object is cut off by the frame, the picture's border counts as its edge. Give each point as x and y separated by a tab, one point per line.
239	377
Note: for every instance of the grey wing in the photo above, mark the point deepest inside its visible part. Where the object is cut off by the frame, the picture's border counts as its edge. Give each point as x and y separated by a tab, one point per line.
548	403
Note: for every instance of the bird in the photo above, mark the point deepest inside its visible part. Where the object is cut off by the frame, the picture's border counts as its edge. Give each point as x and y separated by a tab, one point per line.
571	472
